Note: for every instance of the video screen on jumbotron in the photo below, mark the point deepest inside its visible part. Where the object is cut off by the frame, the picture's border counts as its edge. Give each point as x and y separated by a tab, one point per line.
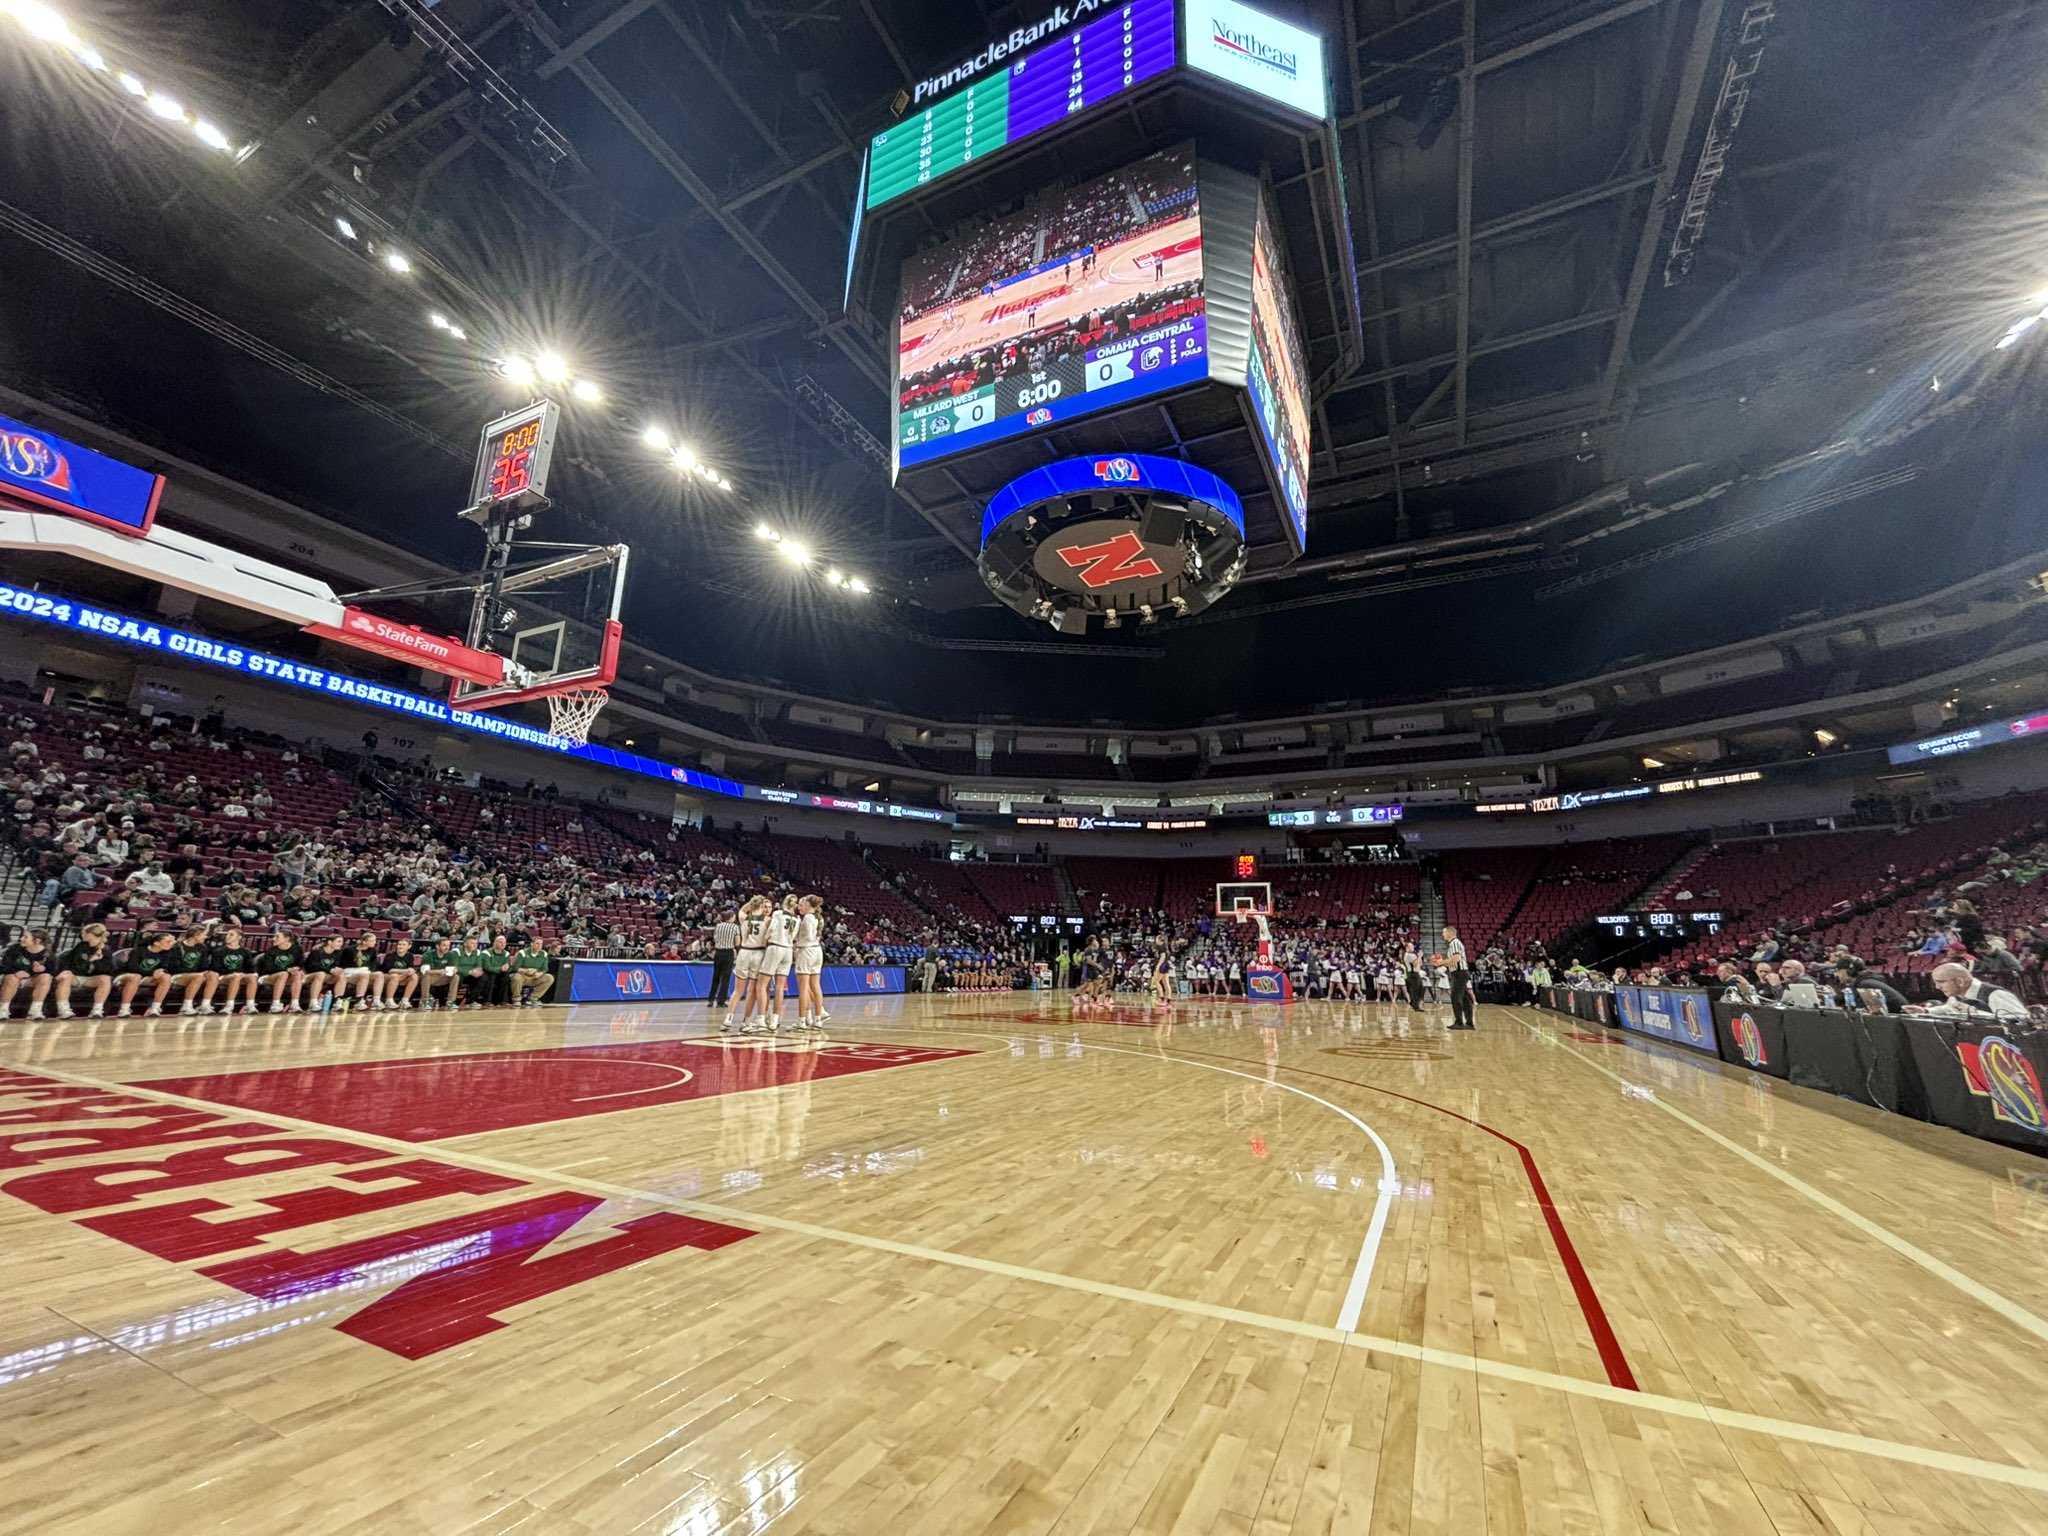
1278	375
1091	297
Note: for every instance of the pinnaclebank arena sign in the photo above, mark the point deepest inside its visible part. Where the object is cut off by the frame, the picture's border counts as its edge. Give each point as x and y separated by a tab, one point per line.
1222	38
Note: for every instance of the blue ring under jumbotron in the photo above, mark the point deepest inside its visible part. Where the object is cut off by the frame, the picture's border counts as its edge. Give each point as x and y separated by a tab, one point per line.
1110	472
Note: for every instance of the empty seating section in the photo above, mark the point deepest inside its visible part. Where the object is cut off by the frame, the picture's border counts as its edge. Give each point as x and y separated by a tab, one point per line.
972	891
1128	885
1578	881
1482	887
1342	893
1871	889
837	872
822	738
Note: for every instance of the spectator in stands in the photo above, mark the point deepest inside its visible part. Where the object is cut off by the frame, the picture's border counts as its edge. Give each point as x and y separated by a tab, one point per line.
79	876
1969	997
1996	959
149	880
111	848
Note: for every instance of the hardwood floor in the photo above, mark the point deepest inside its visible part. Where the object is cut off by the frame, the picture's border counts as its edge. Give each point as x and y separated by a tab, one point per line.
979	1264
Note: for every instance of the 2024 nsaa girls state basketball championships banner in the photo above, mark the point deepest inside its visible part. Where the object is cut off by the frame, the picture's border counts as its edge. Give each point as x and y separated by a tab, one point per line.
683	981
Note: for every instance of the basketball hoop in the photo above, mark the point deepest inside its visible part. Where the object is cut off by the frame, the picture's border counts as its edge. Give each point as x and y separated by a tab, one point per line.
572	712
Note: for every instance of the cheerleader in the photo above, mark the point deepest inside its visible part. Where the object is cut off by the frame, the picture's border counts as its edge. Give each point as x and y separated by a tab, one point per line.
748	994
1383	983
1354	979
1162	978
810	964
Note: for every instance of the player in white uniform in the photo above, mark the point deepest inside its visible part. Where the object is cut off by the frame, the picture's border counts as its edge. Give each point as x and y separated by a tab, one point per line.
778	957
810	964
746	971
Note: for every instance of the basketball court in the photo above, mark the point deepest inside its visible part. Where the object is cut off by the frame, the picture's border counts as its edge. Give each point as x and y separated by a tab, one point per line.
1155	259
982	1263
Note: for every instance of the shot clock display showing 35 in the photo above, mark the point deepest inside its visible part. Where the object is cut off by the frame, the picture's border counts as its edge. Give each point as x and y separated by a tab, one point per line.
512	464
1124	47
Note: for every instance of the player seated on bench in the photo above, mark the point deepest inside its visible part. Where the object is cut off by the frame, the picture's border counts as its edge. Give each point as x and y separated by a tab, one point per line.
278	967
400	978
152	962
234	969
88	964
27	962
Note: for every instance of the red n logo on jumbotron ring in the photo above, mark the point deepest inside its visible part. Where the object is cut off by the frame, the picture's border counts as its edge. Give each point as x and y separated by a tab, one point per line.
1122	558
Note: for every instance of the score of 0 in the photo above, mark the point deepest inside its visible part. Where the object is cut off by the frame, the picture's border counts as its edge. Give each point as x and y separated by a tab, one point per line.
513	458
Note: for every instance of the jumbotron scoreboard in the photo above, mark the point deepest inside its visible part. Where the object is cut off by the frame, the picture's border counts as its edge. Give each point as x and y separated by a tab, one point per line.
1092	64
1109	242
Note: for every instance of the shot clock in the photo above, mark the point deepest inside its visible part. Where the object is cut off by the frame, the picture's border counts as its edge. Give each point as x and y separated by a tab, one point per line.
512	463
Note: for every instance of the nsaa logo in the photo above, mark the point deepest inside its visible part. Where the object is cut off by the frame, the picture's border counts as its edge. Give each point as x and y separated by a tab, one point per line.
876	981
1997	1070
1116	471
1749	1040
1689	1019
30	458
633	983
1039	417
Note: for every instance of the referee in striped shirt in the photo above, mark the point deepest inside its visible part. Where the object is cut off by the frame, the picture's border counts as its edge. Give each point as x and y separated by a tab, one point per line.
1461	980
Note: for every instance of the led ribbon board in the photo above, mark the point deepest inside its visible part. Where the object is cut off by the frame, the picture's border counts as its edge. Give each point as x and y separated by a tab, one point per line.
1089	66
1133	472
44	471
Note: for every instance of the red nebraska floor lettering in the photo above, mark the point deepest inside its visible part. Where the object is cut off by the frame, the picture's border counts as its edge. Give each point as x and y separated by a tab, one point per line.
433	1285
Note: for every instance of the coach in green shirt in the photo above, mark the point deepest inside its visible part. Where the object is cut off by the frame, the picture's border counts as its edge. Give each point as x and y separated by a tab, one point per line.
532	977
496	984
469	975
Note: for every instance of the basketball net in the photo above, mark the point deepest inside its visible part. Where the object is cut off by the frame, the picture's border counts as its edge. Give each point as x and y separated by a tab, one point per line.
1265	932
572	712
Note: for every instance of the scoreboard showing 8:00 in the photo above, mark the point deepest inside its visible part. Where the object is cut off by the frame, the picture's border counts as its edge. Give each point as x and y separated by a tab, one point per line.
512	463
1123	48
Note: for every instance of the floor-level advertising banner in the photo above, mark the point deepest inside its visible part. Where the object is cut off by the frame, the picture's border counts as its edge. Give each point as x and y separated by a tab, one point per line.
1681	1016
665	981
1981	1079
1753	1038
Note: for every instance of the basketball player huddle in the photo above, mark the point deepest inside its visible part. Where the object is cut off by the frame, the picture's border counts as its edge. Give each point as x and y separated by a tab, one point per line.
774	940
